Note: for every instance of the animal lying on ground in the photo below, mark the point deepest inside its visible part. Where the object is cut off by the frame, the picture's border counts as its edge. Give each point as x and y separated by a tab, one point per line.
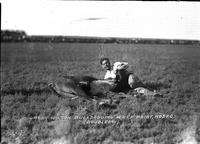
81	86
88	87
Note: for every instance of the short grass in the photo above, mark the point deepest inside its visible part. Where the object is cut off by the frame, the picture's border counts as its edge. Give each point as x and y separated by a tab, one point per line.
30	113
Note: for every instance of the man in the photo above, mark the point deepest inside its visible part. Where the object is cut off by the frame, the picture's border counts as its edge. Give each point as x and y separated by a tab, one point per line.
119	74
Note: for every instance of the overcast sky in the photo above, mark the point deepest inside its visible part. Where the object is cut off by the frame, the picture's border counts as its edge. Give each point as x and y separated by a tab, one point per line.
177	20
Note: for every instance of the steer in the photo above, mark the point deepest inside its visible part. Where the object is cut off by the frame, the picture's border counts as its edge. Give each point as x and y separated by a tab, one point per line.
82	86
89	88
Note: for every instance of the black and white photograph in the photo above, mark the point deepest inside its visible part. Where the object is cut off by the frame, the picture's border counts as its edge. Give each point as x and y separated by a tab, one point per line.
100	72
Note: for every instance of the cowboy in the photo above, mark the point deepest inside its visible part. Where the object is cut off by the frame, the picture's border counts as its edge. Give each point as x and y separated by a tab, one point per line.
119	74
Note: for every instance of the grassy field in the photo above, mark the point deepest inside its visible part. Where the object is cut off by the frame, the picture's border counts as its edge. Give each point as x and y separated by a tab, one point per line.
30	113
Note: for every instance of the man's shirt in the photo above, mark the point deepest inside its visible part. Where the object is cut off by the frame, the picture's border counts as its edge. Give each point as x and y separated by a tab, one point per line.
111	74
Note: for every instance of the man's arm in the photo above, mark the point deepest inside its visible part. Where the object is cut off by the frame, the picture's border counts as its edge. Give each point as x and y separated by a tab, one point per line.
120	66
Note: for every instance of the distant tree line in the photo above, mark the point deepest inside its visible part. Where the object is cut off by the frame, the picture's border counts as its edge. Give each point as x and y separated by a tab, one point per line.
21	36
8	35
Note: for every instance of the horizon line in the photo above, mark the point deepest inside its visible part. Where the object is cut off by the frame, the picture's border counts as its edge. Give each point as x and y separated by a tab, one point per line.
57	35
